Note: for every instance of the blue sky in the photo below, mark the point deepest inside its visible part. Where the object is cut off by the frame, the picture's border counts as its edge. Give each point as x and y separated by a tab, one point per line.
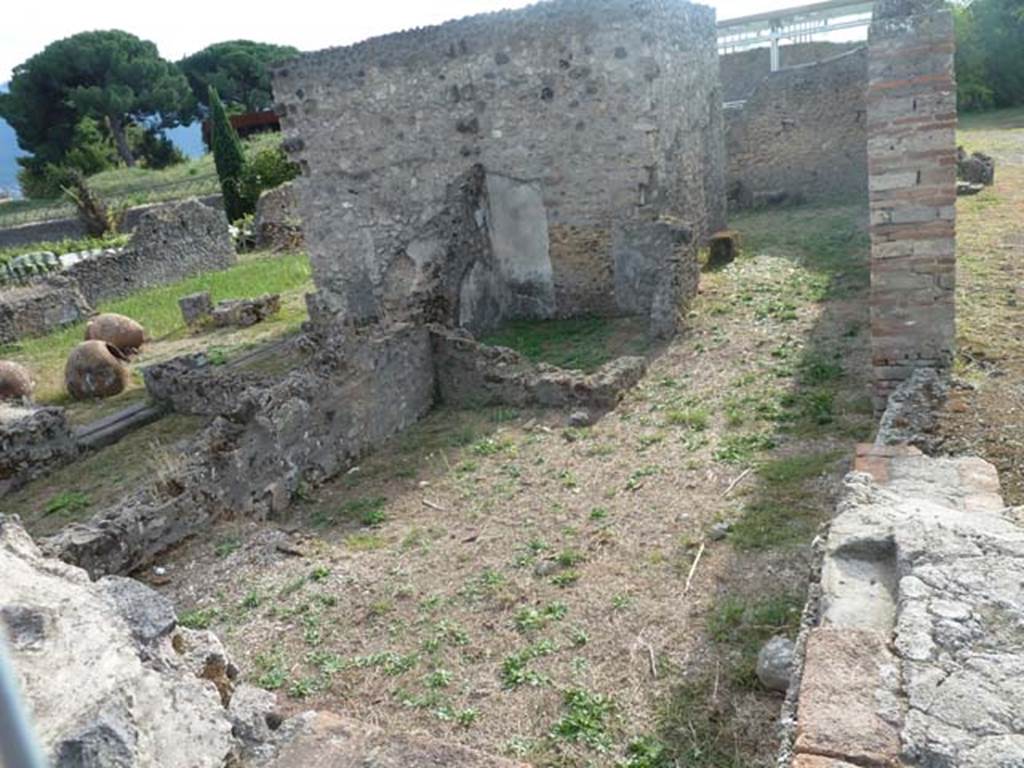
186	26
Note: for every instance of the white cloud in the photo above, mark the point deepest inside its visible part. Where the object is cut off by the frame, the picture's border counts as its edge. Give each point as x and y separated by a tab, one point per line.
185	26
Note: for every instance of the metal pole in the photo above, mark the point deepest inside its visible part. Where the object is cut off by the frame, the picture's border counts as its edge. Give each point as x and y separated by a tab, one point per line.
18	745
776	32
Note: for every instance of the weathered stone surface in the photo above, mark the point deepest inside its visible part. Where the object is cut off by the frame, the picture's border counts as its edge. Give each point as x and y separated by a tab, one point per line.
95	369
39	308
775	664
93	699
510	209
245	312
254	715
171	242
926	553
331	741
149	615
277	223
117	330
815	761
15	381
472	374
195	307
839	710
276	436
800	134
33	440
911	414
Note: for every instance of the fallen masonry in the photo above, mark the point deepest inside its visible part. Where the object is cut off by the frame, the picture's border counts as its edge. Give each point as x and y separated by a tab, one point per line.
150	692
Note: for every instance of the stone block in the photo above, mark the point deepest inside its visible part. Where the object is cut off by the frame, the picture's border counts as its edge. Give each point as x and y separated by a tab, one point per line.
838	716
195	307
722	248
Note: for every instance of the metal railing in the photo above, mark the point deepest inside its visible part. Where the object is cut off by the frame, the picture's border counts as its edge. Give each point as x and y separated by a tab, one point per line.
16	213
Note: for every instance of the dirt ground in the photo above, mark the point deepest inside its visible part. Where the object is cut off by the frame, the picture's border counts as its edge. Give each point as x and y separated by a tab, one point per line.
597	596
985	415
521	587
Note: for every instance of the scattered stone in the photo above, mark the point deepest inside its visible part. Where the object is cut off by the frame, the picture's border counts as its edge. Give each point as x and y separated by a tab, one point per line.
967	189
116	330
976	168
545	568
722	248
580	418
246	312
95	369
195	307
719	531
15	381
775	664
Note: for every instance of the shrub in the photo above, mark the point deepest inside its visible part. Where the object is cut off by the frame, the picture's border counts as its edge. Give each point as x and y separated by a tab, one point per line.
229	158
266	168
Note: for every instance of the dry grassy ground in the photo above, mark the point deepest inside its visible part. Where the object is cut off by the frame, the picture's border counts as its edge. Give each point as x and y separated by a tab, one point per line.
514	585
986	415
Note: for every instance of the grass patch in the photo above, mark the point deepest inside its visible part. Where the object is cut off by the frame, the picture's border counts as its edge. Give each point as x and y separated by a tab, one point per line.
740	626
157	310
367	511
583	344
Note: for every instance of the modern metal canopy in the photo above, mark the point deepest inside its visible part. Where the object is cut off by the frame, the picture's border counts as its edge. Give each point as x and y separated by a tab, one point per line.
795	24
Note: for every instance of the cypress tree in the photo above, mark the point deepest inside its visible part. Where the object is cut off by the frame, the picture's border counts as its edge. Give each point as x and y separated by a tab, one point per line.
229	157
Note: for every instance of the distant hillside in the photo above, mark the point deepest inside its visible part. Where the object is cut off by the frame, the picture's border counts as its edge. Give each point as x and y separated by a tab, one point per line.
187	138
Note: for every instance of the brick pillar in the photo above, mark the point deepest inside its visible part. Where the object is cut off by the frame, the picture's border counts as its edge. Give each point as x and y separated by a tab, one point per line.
912	189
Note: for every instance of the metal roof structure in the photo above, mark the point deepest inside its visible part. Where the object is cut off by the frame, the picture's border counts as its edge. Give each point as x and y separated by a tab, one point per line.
796	25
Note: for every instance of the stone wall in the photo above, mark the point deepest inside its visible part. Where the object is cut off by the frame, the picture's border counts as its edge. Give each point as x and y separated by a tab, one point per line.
912	160
33	441
171	242
509	165
70	228
743	71
801	135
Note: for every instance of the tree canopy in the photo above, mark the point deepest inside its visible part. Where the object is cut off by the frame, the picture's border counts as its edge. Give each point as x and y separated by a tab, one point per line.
109	76
990	53
238	69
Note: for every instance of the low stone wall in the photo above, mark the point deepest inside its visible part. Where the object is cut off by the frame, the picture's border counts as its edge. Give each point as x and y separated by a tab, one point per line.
801	135
37	309
33	440
170	243
470	374
273	435
70	228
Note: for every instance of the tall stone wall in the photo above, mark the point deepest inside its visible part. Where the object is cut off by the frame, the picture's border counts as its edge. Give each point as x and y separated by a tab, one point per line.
801	134
912	162
742	71
506	165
